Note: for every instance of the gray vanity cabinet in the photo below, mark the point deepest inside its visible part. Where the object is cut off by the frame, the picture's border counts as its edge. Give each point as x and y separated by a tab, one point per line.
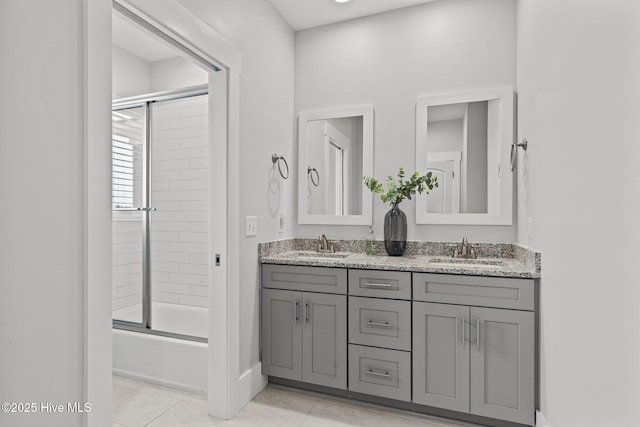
281	334
479	360
455	342
441	356
380	333
503	365
303	333
324	340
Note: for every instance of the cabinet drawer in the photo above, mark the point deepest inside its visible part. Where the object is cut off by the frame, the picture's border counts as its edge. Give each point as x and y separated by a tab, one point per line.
381	284
500	292
380	323
380	372
299	278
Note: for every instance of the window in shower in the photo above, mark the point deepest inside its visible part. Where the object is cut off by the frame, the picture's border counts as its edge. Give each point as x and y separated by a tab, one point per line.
160	160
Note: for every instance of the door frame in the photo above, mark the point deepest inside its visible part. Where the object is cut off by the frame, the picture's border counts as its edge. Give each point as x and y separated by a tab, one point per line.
455	157
225	395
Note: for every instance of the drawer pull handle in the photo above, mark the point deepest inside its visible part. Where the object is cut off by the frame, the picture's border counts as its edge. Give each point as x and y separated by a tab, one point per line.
378	374
477	334
378	285
383	325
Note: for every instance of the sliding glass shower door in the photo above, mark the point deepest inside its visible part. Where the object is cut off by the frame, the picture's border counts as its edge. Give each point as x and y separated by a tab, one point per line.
128	150
160	215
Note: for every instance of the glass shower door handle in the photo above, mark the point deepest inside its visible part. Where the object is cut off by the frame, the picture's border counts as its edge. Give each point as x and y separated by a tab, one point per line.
147	209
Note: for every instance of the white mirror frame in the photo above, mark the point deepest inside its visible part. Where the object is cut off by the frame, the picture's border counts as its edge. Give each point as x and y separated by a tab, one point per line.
505	176
366	218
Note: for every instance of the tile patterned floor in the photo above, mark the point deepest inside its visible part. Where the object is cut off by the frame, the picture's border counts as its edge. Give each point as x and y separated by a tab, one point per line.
138	404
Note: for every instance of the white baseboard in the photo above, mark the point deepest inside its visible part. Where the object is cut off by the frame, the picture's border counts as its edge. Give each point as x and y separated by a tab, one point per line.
251	382
540	420
158	381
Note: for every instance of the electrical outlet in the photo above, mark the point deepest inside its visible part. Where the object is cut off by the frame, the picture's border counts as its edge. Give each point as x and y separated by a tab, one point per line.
530	227
282	219
251	226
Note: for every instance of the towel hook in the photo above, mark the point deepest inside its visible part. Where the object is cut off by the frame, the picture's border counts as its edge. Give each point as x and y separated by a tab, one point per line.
280	159
514	151
310	172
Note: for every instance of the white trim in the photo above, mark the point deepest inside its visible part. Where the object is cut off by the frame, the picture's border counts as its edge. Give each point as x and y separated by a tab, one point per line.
366	218
96	245
540	420
158	381
251	382
224	306
505	214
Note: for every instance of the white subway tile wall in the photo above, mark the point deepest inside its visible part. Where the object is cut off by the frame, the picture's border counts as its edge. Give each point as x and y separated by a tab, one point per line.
127	262
179	227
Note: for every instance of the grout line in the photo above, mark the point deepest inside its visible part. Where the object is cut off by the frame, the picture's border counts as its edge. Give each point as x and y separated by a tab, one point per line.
308	413
163	412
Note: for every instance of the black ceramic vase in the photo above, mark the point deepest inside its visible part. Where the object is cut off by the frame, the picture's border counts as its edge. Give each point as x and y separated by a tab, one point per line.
395	231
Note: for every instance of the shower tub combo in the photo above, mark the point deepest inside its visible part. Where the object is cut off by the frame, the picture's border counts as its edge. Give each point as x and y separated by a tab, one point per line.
160	159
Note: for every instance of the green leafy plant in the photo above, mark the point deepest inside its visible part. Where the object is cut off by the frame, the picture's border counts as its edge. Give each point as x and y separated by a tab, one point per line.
403	188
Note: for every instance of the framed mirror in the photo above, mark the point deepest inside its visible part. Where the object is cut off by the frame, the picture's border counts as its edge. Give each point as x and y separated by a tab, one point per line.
335	150
464	139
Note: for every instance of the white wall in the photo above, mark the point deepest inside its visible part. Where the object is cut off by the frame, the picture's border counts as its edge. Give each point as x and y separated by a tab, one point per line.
266	127
54	219
388	60
445	135
476	173
179	228
316	195
131	74
578	87
176	73
126	256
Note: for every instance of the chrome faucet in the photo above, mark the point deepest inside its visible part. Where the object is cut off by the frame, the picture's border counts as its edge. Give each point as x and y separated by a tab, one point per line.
323	244
464	250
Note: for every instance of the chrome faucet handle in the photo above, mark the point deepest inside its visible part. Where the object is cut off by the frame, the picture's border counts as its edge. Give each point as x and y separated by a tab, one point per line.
323	244
472	252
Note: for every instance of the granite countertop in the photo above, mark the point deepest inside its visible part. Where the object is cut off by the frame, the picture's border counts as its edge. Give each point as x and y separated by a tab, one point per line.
494	259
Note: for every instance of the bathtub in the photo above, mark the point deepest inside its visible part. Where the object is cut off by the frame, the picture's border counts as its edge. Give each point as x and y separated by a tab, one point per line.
171	362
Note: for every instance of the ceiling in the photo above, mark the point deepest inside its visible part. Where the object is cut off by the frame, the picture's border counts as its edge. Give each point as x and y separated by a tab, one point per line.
303	14
299	14
134	39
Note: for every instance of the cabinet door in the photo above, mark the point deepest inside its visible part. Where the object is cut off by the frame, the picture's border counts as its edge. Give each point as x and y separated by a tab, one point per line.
324	340
441	356
282	334
502	364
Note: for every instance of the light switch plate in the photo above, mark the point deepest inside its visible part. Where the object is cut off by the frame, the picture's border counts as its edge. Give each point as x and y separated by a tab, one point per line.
282	219
530	227
251	226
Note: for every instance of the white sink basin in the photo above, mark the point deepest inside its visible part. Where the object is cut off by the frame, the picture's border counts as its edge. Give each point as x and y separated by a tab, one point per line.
467	263
320	255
